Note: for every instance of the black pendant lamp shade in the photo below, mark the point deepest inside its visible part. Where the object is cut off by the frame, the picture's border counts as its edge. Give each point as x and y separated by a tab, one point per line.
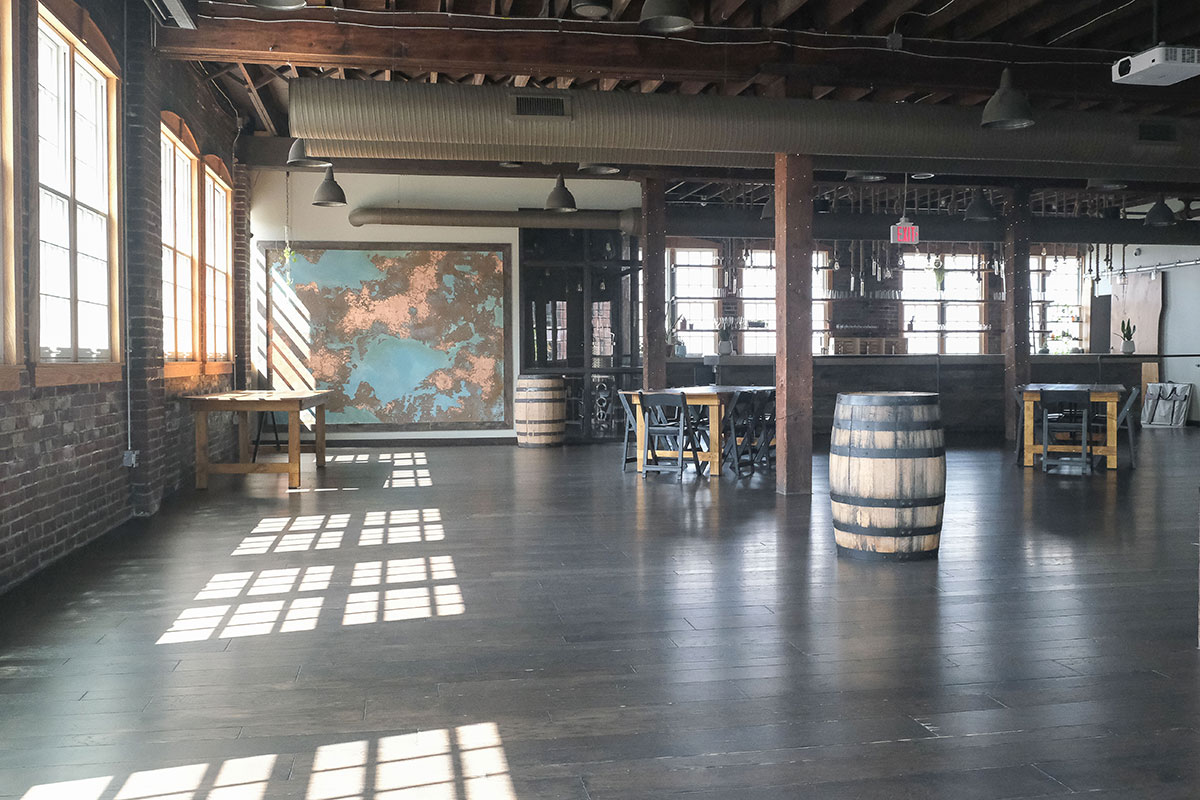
298	156
1160	215
560	198
980	209
666	16
1008	110
278	5
329	194
592	9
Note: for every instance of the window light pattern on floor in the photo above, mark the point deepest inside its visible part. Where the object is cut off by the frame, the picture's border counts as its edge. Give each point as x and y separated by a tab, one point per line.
295	534
405	459
408	526
408	602
466	762
300	534
408	479
423	590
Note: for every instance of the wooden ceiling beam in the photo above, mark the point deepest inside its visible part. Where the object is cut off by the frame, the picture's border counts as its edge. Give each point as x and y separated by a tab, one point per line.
257	103
886	18
574	50
774	13
833	12
926	26
990	17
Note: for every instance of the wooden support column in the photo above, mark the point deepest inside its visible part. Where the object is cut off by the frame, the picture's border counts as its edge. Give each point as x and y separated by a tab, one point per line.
793	323
1016	305
654	277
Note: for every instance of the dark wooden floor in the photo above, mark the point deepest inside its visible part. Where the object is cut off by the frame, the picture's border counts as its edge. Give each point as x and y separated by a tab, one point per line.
504	623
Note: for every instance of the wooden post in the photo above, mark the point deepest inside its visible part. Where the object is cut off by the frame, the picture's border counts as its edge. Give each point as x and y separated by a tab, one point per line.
293	449
320	434
793	323
1016	305
654	282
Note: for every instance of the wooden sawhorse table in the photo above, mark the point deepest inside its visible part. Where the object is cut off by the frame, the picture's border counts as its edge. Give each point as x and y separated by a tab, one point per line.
1106	393
291	403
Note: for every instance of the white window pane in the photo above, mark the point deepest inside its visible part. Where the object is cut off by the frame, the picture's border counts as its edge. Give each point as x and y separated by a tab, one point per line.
167	168
184	223
92	234
91	136
93	332
55	329
758	343
699	343
92	274
963	344
53	110
54	257
922	343
183	274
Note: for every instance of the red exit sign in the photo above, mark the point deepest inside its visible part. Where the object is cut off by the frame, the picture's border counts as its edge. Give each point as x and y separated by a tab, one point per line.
906	234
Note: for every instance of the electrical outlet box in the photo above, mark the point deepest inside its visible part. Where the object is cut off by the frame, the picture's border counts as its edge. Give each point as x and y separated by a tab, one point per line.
129	458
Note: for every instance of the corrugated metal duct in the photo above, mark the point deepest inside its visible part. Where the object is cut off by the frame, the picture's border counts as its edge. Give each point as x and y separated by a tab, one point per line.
495	122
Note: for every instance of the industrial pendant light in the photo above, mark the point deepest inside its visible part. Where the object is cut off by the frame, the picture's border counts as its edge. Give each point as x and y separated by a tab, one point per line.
298	156
329	194
598	169
278	5
863	176
1008	110
666	16
560	198
1160	215
980	209
592	9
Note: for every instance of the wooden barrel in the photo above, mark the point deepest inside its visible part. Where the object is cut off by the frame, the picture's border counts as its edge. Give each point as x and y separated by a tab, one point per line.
887	475
540	411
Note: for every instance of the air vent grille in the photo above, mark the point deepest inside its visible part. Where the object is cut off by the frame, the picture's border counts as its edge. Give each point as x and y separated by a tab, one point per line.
1157	132
528	105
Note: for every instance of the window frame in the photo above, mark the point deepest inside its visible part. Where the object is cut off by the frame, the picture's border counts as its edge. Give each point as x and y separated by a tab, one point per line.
85	42
181	142
10	171
213	170
939	300
204	168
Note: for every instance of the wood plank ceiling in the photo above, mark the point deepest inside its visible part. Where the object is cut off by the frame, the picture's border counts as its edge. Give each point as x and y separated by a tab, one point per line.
950	51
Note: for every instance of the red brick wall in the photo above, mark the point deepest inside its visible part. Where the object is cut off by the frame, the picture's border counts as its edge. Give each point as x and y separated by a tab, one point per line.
61	479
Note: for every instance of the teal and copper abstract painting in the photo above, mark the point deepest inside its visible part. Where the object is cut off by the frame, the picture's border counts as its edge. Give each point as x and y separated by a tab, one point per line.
405	337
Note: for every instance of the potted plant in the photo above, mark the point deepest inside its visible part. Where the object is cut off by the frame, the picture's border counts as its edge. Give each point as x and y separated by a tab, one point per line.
1127	332
675	345
726	327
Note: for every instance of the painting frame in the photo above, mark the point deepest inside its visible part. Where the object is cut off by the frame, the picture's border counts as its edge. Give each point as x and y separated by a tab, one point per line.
504	249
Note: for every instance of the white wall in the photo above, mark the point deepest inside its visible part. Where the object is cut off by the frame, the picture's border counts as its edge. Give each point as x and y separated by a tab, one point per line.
1180	329
268	210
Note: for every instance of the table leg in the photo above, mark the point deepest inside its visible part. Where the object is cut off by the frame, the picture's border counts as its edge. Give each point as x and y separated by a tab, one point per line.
293	449
1027	444
641	437
201	449
320	432
1110	434
244	437
715	413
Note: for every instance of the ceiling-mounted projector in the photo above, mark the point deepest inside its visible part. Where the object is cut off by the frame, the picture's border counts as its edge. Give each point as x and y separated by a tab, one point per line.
1158	66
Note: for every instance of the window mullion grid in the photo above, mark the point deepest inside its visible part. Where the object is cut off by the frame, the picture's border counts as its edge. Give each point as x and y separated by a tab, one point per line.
72	208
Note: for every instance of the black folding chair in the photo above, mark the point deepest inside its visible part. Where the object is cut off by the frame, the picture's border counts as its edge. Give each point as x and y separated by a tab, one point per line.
738	428
1124	420
1067	413
630	430
668	425
764	429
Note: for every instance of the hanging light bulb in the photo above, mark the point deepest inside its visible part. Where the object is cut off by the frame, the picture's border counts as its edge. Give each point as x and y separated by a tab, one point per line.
278	5
329	194
1008	109
560	198
298	156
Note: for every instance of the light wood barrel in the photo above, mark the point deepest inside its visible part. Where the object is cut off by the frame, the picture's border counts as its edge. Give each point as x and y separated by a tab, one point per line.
540	411
887	475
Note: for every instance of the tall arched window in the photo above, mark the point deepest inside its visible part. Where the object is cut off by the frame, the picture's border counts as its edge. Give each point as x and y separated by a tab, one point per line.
180	240
77	260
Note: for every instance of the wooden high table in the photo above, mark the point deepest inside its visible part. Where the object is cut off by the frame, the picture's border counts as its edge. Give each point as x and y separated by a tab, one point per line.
1107	393
291	403
714	398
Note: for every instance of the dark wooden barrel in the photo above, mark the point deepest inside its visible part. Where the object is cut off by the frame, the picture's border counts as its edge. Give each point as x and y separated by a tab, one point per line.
540	411
887	475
